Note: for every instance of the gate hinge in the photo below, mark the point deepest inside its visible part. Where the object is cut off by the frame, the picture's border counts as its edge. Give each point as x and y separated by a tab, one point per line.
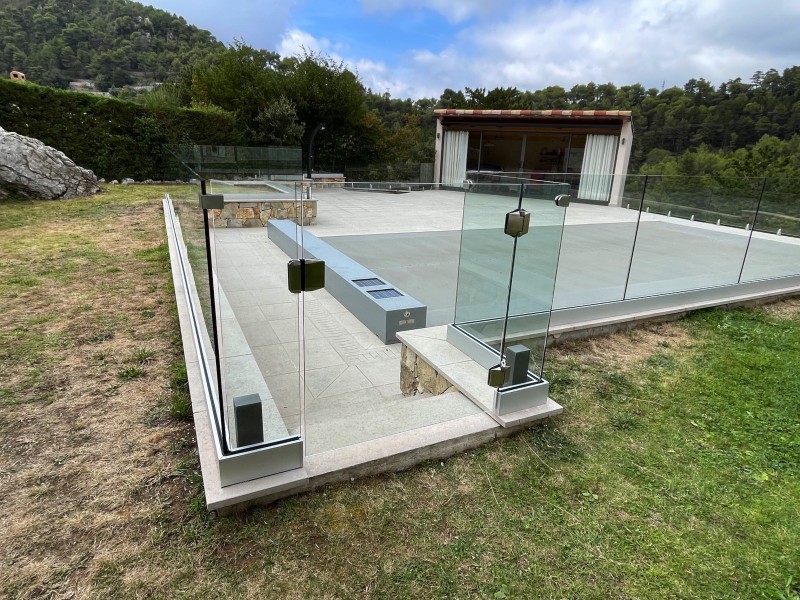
517	222
306	275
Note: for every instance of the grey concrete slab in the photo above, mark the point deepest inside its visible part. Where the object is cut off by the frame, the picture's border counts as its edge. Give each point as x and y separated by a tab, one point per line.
350	378
422	264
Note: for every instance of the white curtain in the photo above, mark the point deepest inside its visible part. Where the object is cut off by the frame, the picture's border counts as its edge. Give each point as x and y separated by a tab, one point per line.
597	170
454	165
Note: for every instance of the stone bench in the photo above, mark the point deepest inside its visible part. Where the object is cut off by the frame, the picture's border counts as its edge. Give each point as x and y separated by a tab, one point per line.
381	307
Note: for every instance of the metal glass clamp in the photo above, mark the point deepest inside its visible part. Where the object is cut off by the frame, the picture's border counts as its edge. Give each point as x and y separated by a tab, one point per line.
306	275
212	201
517	222
563	200
497	375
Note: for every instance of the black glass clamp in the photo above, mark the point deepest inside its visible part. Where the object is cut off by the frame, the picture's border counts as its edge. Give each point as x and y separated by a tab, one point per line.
306	275
211	201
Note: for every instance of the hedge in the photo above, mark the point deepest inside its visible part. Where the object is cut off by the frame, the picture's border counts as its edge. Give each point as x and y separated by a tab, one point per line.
114	138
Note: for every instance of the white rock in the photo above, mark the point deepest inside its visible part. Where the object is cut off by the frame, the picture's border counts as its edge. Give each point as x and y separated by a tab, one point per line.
30	168
127	181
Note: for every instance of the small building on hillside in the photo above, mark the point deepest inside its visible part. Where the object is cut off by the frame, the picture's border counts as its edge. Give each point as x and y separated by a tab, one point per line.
590	149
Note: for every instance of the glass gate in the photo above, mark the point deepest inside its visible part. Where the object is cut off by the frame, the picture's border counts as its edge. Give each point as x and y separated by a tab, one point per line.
511	238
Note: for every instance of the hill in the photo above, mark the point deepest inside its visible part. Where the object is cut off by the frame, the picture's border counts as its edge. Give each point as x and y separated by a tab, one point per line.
113	42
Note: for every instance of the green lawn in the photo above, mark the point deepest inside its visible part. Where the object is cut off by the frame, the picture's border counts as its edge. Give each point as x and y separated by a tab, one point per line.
674	472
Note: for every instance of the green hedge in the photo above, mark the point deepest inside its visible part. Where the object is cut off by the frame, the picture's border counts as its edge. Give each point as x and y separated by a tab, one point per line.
114	138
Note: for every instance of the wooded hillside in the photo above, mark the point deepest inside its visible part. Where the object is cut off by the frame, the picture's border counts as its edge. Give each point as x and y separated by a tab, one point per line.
114	42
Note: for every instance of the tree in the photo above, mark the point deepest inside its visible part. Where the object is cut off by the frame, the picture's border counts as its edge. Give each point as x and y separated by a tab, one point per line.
276	124
325	91
240	79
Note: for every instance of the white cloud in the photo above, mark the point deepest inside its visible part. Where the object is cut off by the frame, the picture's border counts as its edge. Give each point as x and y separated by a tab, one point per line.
622	41
454	11
295	42
530	44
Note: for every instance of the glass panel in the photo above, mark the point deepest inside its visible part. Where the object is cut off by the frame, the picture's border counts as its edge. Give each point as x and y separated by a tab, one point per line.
535	268
258	316
597	246
185	200
194	235
693	233
577	146
501	152
775	245
282	163
407	239
487	255
545	153
485	261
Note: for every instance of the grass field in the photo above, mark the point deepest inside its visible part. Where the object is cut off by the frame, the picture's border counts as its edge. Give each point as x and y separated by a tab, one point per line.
674	472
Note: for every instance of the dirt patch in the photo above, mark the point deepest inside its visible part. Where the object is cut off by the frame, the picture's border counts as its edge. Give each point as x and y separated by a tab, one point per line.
623	350
785	309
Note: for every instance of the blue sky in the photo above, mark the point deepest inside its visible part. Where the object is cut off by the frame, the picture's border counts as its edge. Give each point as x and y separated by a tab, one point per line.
415	48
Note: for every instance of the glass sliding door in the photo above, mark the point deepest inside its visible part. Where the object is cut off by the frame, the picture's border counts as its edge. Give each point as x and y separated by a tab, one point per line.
545	154
501	152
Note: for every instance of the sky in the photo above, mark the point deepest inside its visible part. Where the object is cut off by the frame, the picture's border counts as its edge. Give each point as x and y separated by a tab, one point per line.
417	48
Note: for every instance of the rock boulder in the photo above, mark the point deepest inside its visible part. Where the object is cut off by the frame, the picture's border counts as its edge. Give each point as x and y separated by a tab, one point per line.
33	170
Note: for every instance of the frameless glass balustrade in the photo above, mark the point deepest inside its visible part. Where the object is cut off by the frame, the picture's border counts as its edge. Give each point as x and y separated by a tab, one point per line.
693	233
373	237
511	238
597	246
774	249
258	329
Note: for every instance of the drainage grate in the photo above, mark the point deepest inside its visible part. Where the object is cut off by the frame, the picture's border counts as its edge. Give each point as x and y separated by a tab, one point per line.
387	293
368	282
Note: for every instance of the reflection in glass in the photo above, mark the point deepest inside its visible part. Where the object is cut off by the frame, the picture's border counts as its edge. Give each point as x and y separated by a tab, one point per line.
483	297
693	233
775	244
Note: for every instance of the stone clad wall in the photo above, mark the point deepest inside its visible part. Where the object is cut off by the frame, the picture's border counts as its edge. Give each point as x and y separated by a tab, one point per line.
257	213
417	376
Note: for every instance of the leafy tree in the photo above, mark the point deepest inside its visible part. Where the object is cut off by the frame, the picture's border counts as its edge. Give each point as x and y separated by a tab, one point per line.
239	79
277	125
325	91
55	41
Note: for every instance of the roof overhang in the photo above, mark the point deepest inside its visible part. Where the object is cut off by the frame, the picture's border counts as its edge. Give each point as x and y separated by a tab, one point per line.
530	117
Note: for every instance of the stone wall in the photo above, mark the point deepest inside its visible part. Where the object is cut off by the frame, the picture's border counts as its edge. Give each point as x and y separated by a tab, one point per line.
257	213
418	377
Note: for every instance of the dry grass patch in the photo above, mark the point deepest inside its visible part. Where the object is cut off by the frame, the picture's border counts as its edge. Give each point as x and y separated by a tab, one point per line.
86	454
785	309
626	349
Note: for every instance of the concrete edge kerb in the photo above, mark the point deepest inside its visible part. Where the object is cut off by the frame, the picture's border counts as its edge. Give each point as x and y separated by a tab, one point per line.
206	449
